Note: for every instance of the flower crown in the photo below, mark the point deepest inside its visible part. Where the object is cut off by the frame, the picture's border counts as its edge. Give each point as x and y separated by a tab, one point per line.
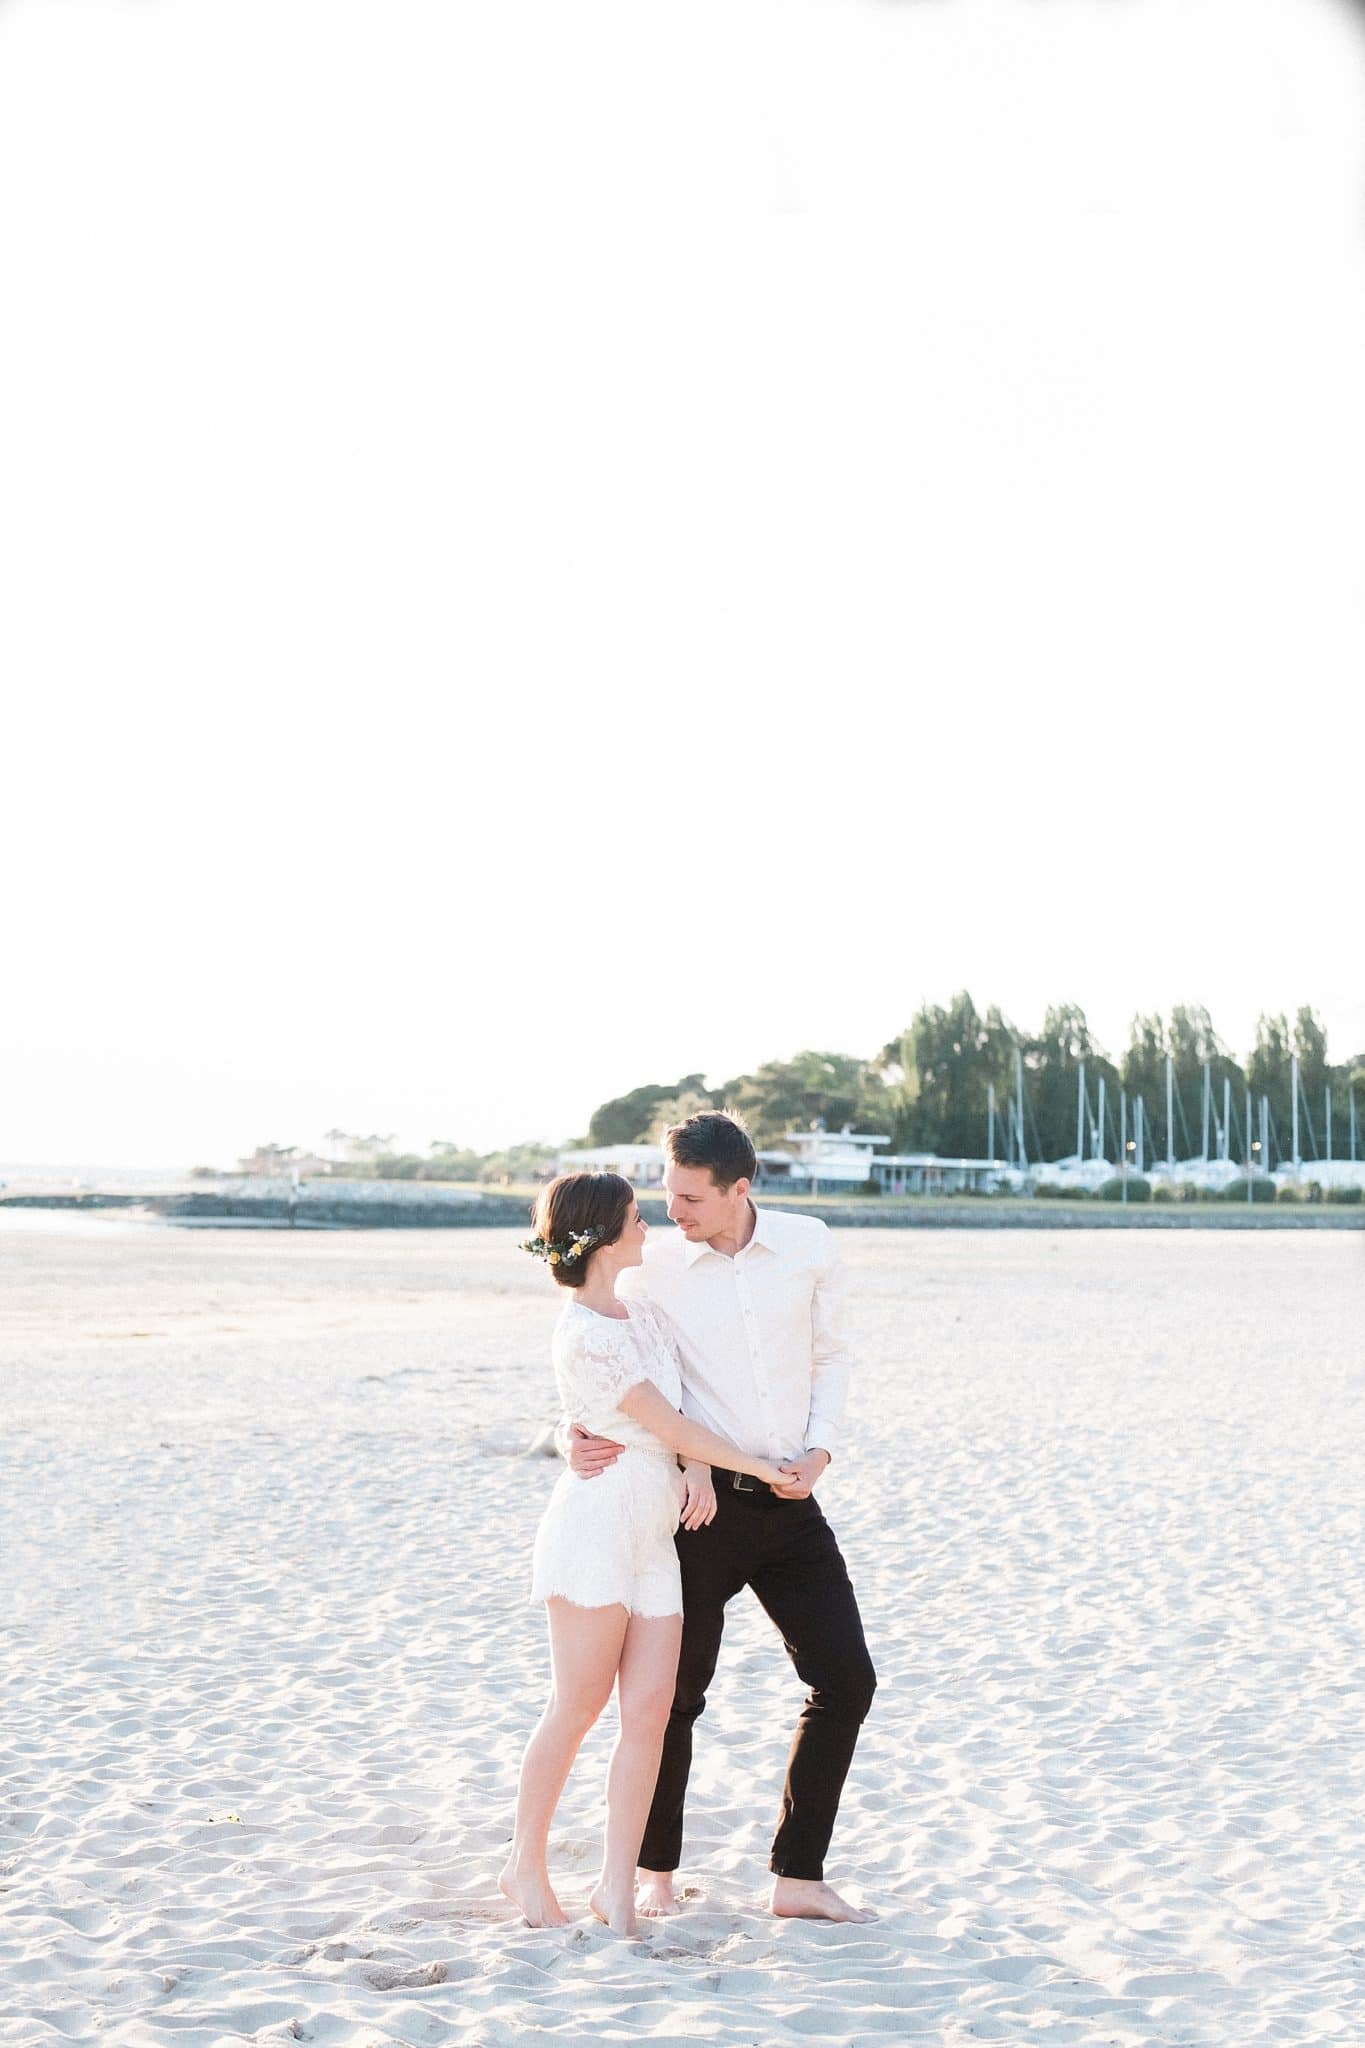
553	1249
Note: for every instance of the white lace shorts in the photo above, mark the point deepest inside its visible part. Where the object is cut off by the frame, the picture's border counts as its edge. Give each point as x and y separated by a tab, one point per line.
608	1541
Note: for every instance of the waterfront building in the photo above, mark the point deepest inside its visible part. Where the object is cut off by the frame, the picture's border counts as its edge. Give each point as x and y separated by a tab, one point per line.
806	1159
641	1165
820	1158
924	1173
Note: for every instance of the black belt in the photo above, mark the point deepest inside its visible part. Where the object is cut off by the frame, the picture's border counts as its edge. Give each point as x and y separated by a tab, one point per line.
741	1482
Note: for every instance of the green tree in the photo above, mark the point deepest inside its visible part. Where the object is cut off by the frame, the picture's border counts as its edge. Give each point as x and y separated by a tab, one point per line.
674	1109
449	1161
529	1162
1268	1073
1352	1083
832	1088
1143	1074
1195	1048
396	1166
936	1077
1052	1060
1316	1075
630	1119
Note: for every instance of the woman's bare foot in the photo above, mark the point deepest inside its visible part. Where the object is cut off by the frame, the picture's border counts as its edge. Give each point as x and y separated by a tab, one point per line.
806	1898
532	1894
614	1909
656	1897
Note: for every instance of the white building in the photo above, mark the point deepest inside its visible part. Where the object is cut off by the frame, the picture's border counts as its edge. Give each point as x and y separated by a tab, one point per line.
820	1158
812	1159
641	1165
924	1173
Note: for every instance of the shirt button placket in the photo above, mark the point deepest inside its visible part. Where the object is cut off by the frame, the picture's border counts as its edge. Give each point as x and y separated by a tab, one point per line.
756	1357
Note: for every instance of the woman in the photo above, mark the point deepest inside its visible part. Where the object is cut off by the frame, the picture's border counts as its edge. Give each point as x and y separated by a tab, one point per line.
604	1563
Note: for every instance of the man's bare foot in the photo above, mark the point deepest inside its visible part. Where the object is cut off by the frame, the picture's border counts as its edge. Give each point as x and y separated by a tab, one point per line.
656	1898
531	1892
806	1898
614	1910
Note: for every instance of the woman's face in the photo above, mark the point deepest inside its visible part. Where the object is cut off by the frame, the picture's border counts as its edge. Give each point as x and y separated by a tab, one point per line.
631	1242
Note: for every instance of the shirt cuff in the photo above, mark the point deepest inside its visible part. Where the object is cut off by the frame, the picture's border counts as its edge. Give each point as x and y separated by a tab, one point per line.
820	1437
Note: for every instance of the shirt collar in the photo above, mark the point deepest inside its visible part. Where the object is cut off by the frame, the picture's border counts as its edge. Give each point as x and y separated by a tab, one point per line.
761	1235
763	1230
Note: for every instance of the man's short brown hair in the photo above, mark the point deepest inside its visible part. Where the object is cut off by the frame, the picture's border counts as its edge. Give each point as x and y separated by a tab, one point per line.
715	1140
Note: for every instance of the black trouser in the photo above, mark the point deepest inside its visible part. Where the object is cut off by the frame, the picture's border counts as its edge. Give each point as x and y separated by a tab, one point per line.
785	1550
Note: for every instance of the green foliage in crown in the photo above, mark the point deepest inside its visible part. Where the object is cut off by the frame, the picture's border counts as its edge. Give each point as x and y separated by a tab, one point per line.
567	1249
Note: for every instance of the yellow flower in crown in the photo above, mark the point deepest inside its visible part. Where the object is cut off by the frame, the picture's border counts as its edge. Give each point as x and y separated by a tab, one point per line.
554	1258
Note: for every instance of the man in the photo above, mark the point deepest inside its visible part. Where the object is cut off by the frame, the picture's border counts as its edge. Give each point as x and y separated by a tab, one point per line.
755	1299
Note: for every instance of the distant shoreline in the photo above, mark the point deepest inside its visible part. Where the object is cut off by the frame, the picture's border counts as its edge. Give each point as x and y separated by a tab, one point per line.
323	1206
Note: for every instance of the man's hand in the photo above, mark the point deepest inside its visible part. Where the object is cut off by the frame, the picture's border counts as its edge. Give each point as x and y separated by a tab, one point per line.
588	1455
805	1471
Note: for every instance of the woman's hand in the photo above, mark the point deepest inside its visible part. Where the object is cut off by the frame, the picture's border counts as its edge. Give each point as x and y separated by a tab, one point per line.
782	1478
800	1477
699	1497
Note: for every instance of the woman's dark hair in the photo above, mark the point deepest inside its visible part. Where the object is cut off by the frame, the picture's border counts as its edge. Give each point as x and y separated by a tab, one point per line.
715	1140
576	1202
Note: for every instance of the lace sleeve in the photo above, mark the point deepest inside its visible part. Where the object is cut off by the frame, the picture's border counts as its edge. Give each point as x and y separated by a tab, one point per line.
663	1331
602	1365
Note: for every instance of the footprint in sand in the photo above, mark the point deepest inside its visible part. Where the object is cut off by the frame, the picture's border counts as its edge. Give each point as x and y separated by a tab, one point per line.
406	1980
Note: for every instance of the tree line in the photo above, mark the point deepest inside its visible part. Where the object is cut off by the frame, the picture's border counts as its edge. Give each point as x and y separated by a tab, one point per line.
371	1156
928	1088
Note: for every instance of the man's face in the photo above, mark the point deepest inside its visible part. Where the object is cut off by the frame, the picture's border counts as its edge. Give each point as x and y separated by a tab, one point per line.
700	1209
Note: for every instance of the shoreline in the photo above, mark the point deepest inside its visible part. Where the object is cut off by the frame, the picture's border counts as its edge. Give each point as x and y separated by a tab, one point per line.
371	1206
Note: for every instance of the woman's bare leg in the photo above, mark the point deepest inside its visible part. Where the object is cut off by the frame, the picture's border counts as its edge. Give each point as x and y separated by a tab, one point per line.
585	1652
644	1691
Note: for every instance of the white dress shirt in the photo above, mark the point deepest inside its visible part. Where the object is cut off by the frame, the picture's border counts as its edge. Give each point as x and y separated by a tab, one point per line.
762	1337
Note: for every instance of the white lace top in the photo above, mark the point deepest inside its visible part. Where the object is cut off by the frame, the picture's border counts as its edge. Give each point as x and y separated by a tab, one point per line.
598	1359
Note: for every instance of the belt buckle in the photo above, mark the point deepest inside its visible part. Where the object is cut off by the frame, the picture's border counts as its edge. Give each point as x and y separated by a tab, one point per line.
743	1482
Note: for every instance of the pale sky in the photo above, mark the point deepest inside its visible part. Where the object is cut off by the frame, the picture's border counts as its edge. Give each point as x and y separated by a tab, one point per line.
548	546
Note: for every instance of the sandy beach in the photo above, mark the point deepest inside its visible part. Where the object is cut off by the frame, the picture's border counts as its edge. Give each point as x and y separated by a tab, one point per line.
268	1663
